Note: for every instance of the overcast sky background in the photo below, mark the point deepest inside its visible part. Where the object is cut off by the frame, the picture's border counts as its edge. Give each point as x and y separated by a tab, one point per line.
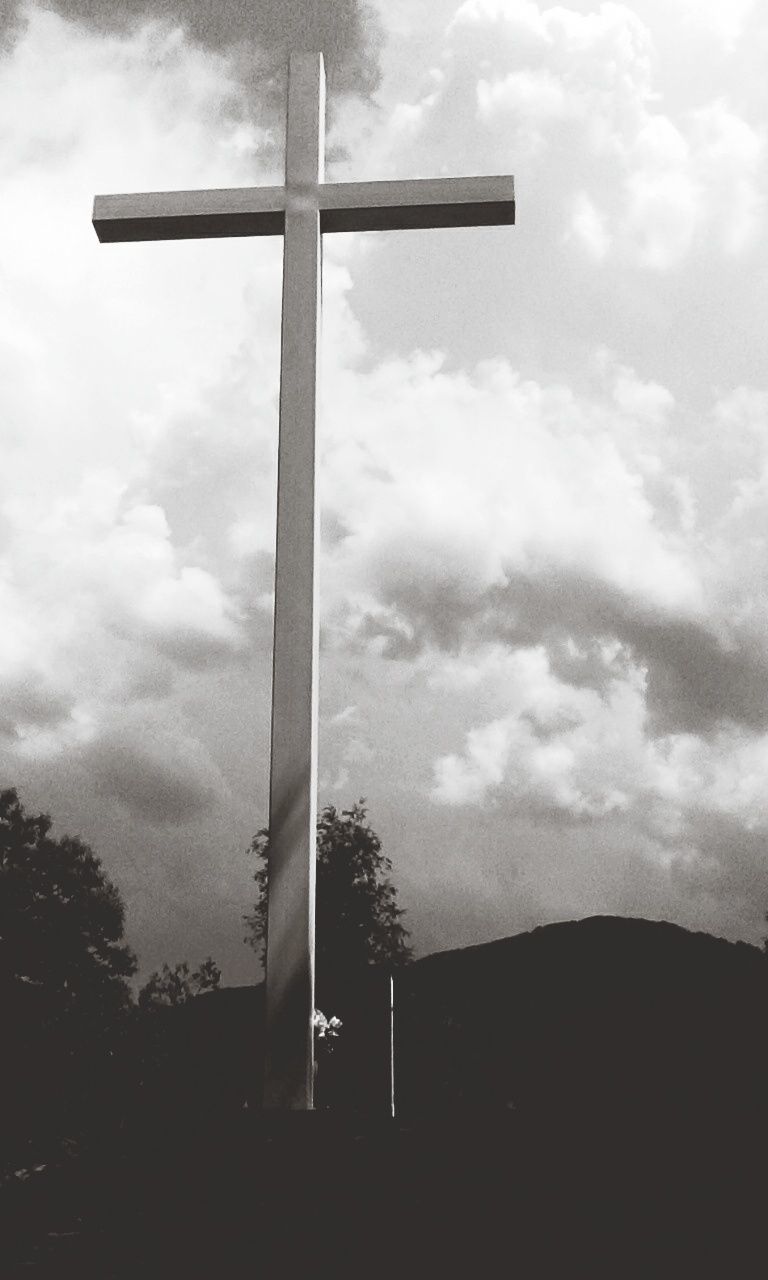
544	459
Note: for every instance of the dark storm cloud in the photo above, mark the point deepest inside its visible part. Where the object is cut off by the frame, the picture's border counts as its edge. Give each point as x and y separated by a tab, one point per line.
733	871
345	31
695	682
197	651
30	702
159	780
740	855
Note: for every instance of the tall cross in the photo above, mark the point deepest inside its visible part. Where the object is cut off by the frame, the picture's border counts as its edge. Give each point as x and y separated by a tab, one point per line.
300	211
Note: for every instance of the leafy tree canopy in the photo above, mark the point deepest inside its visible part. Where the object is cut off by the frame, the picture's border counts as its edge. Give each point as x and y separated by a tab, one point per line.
173	986
61	923
358	922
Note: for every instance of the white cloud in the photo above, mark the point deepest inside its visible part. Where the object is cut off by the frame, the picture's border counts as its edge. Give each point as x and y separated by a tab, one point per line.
466	781
588	226
345	715
95	587
730	154
726	23
575	98
560	748
574	752
110	355
535	99
449	485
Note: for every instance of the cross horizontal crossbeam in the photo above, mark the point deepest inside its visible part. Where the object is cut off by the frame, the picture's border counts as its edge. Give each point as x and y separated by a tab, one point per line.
343	206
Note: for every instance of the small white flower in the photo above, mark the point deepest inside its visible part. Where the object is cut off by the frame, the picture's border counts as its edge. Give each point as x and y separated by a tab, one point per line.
325	1028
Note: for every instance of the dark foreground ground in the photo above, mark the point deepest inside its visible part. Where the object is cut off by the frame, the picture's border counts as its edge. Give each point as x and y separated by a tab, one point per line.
589	1099
473	1195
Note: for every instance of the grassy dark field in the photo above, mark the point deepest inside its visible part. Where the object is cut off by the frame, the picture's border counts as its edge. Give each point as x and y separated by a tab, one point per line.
462	1195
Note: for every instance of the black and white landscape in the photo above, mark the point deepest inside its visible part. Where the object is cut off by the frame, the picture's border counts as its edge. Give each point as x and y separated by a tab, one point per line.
543	470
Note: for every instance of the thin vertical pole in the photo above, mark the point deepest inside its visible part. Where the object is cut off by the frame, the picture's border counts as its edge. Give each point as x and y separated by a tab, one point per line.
392	1046
290	960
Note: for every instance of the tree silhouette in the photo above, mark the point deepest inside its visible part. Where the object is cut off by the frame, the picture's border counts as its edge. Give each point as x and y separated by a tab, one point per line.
61	922
173	986
358	922
64	971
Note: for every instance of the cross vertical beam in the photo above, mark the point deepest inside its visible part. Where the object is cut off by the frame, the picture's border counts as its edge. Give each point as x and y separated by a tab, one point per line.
290	961
301	210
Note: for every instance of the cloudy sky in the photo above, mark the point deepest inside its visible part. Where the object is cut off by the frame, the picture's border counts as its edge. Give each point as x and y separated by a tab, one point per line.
544	459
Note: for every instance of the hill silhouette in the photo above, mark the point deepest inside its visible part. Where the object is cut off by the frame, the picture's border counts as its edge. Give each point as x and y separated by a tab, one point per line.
598	1017
594	1019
